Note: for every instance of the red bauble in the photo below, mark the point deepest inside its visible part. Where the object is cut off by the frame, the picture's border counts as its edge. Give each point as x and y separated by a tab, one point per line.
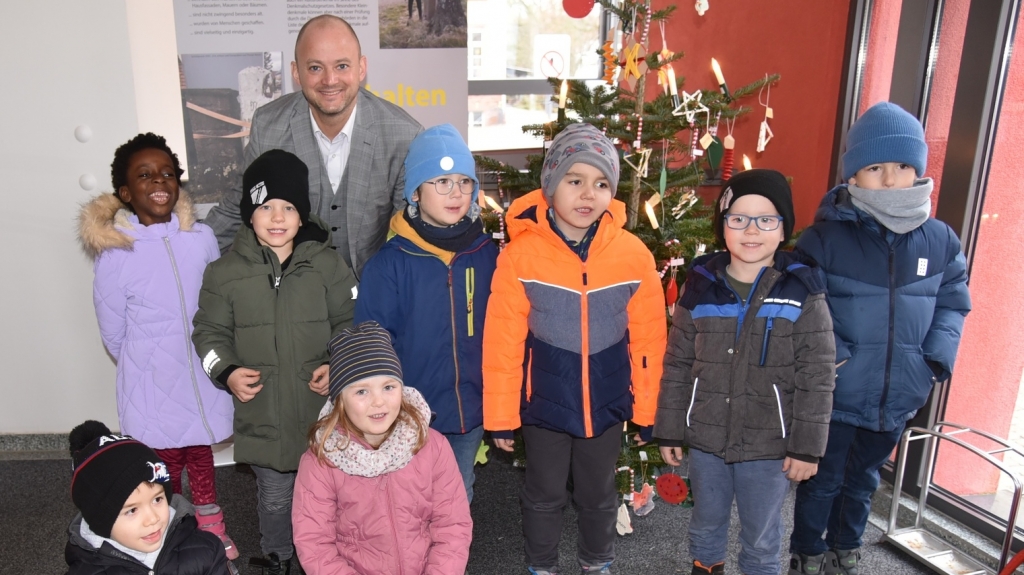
671	291
578	8
672	489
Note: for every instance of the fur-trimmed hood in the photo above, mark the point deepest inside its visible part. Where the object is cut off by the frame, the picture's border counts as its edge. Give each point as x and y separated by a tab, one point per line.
104	219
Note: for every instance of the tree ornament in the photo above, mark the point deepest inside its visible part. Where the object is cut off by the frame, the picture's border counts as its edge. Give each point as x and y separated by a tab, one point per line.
671	292
578	8
728	143
643	501
672	488
701	6
623	525
636	63
611	63
765	134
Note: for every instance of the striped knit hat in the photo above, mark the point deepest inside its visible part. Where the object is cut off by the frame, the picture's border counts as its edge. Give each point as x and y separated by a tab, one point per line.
359	352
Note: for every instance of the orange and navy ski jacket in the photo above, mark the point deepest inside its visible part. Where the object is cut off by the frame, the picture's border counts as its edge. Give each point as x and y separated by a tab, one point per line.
572	346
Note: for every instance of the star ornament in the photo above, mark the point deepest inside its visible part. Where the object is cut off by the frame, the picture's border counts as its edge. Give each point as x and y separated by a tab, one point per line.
643	157
688	100
636	63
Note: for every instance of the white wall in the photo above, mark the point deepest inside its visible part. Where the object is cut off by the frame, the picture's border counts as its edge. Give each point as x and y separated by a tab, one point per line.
66	63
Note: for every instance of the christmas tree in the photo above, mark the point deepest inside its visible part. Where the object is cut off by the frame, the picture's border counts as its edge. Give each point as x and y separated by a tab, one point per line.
670	143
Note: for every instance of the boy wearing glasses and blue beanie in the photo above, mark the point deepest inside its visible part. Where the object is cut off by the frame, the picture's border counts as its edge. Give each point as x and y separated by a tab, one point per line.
429	284
748	376
897	288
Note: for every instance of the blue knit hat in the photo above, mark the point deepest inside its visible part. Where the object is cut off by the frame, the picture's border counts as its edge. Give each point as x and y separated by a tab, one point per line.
435	152
579	143
885	133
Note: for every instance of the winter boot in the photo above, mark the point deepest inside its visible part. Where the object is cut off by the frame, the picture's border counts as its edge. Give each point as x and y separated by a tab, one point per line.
272	564
214	523
702	569
800	564
842	562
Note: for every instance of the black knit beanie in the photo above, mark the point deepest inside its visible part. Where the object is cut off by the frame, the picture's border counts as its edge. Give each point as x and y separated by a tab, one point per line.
275	175
767	183
359	352
107	469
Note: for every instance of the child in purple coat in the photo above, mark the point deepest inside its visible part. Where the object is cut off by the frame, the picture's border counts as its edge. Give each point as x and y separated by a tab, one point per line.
150	254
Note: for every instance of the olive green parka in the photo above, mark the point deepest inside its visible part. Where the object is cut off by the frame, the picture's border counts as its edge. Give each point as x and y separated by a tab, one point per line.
251	314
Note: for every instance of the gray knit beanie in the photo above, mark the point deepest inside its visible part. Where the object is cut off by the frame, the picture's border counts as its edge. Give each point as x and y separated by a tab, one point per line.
359	352
579	143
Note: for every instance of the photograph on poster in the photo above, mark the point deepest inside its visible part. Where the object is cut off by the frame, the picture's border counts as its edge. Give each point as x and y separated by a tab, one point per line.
422	23
219	94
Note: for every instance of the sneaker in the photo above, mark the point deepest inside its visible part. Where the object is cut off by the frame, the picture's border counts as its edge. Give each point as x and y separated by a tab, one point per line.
702	569
604	569
214	523
800	564
842	562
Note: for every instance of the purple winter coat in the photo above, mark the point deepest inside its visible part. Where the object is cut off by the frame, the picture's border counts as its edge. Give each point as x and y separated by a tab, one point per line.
146	291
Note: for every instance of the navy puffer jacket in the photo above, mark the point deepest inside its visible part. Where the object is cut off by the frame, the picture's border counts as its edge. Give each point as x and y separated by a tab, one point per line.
898	304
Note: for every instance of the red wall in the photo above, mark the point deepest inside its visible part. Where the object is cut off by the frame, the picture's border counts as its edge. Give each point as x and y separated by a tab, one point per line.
802	41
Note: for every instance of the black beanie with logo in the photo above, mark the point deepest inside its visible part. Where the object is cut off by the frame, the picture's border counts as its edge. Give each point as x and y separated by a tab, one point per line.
275	175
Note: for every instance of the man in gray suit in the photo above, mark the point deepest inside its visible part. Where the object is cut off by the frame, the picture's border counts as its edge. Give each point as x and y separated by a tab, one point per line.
353	142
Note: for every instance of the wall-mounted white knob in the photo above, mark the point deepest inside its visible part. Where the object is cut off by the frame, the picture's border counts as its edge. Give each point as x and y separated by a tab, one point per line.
83	133
87	181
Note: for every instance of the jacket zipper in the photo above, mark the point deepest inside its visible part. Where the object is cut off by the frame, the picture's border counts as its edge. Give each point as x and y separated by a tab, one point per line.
892	335
470	288
778	401
455	348
767	337
736	349
188	341
391	521
588	424
693	398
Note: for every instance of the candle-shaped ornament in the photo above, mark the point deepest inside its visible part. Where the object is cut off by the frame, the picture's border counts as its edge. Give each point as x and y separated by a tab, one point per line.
672	88
562	93
746	162
720	78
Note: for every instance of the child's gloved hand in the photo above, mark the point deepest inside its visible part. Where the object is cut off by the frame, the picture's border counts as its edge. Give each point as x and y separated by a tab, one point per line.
797	470
244	383
321	380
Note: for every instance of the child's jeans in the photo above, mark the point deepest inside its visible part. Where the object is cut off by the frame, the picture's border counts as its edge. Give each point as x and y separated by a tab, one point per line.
759	488
838	498
198	460
549	457
465	446
274	507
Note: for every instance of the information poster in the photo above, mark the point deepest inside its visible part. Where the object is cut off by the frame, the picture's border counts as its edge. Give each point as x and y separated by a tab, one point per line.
235	56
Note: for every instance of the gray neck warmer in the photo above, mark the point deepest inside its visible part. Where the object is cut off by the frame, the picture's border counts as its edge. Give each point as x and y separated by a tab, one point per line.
901	210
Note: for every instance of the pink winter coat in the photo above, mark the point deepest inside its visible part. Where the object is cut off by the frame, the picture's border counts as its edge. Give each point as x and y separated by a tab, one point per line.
408	521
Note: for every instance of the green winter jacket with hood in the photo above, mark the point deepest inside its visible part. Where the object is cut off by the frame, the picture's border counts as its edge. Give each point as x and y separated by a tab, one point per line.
251	314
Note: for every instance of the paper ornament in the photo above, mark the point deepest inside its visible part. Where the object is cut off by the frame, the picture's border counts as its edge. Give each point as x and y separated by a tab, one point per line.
623	525
636	64
643	502
672	488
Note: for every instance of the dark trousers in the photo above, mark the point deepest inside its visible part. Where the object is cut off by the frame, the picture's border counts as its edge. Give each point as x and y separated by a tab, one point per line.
837	500
274	508
198	460
549	458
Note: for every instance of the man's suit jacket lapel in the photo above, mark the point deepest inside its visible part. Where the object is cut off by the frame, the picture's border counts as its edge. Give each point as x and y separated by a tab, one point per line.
358	168
308	151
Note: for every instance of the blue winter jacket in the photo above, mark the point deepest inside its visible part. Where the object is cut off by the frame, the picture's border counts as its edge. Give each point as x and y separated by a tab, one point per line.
898	304
433	302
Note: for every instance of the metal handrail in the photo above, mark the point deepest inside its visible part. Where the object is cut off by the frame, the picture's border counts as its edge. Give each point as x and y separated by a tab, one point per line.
933	436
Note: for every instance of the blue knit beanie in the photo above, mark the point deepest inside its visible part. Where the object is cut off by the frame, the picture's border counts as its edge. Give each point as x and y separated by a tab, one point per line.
885	133
435	152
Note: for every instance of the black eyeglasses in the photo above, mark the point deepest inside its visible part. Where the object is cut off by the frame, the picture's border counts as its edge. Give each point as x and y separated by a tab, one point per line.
763	223
444	186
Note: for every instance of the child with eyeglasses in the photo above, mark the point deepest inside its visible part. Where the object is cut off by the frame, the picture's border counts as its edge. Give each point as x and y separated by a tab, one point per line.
748	376
429	285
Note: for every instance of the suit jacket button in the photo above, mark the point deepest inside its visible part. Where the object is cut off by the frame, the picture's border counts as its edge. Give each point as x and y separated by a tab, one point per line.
334	207
334	229
727	400
730	351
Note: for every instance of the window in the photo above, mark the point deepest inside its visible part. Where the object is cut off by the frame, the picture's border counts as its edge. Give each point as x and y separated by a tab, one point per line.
514	46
